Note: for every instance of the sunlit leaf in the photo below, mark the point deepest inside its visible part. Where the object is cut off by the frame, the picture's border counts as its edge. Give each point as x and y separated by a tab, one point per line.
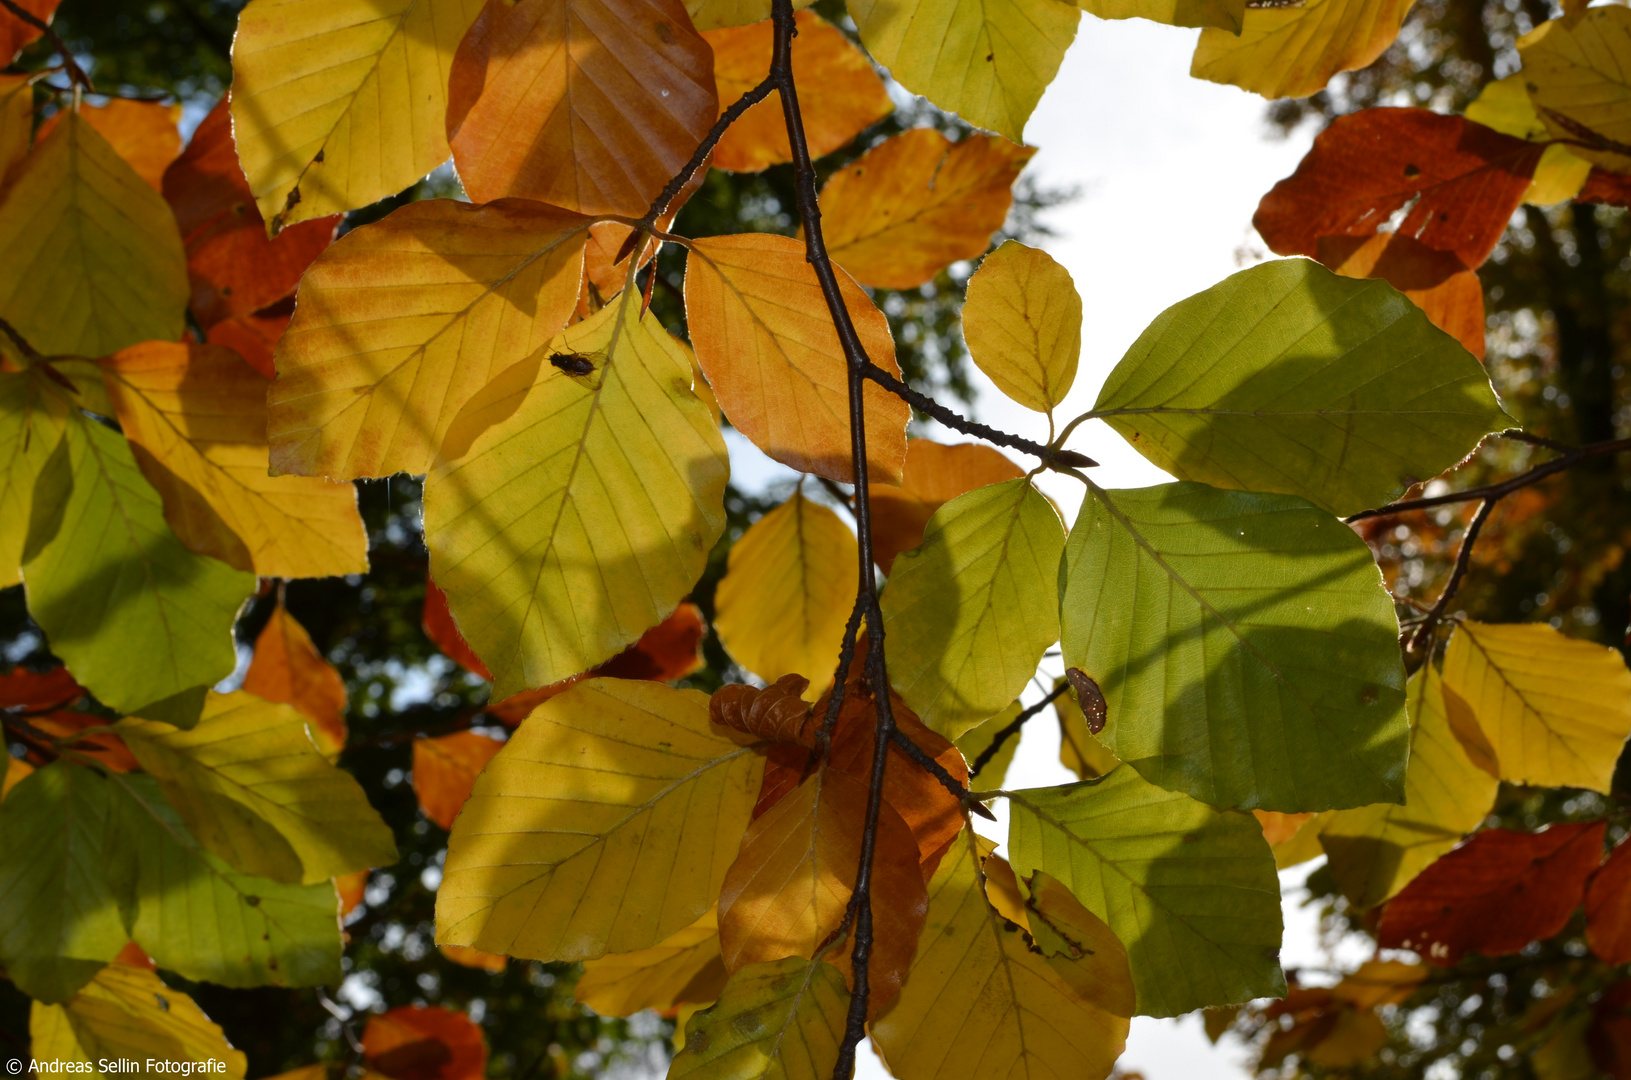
781	1020
253	337
32	415
1023	325
613	789
1080	751
425	1042
465	956
1223	14
338	104
933	475
713	14
142	132
1450	295
287	668
1578	73
1244	644
683	968
1506	106
976	739
1293	51
445	769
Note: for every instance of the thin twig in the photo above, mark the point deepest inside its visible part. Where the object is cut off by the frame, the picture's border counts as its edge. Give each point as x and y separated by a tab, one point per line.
1011	729
838	493
935	769
17	339
1520	435
1463	558
75	72
1506	487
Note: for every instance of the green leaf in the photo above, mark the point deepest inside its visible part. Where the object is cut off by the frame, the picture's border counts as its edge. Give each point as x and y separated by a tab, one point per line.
60	917
969	614
1191	891
198	917
255	791
1289	378
782	1020
1244	643
31	419
136	616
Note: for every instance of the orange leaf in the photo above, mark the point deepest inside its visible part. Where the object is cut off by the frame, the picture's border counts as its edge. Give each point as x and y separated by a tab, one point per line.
445	769
1279	827
912	206
934	475
235	269
37	690
253	337
1447	292
1608	908
777	712
142	132
15	33
1463	179
104	746
288	668
1495	894
587	104
437	619
465	956
351	889
16	771
839	93
602	270
425	1043
763	337
132	955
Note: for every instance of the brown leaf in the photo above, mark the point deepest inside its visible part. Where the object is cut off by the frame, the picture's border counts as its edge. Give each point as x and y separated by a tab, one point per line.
445	769
37	690
1608	908
934	474
1466	181
253	337
839	93
15	33
1447	292
142	132
420	1042
1495	894
235	270
288	668
587	104
912	206
777	712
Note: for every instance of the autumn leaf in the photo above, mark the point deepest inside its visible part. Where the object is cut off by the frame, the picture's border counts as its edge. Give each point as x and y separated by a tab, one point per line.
1505	106
1575	71
253	337
1080	750
783	1019
1608	908
1079	946
287	668
1023	325
445	769
493	963
1495	894
974	742
684	968
424	1042
933	475
96	743
438	624
840	94
763	337
15	33
1223	14
589	105
34	691
715	14
142	132
352	888
32	417
16	120
776	713
1293	51
913	205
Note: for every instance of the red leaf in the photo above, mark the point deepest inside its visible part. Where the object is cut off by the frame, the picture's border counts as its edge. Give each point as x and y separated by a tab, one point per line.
1609	188
425	1043
253	337
15	33
36	690
1608	908
104	746
1495	894
1466	179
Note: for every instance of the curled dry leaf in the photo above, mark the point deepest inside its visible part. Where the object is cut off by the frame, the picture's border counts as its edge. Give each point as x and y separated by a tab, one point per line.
424	1042
1089	697
777	712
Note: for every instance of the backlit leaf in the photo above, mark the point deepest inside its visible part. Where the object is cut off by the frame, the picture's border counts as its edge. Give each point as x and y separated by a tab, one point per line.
256	792
1555	710
784	600
1223	14
1079	945
933	475
473	958
781	1020
768	347
1505	105
402	321
683	968
38	690
1578	73
613	789
194	415
910	207
32	415
1458	181
287	668
1191	891
1293	51
1608	908
974	741
1288	378
1495	894
127	1013
1376	850
587	104
981	1000
337	105
1450	295
1080	750
142	132
88	291
161	621
445	769
253	337
839	94
425	1042
1243	642
988	62
572	512
438	624
969	614
1023	324
1380	982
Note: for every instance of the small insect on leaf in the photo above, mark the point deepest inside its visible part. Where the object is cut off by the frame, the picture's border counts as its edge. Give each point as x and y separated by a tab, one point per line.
573	363
1091	697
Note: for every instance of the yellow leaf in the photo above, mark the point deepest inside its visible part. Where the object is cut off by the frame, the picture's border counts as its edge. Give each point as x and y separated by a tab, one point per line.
910	207
685	968
572	512
784	600
402	321
986	60
1556	711
1293	51
1023	325
605	824
1578	73
17	770
338	103
1079	750
31	422
1506	106
69	288
969	614
782	1020
768	347
979	1001
1079	946
1376	850
16	122
1223	14
255	791
839	93
713	14
128	1013
287	668
195	416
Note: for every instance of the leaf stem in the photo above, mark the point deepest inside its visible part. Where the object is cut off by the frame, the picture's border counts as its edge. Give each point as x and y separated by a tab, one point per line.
1463	558
1011	729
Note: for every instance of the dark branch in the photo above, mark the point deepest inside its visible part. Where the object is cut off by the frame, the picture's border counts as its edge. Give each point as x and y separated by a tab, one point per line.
1463	558
838	493
28	351
1011	729
75	72
936	770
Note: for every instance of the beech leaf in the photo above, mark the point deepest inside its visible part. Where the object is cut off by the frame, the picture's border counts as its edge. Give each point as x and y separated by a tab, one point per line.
685	968
1576	72
1608	908
424	1042
32	417
445	770
1023	325
1293	51
934	474
782	1019
287	668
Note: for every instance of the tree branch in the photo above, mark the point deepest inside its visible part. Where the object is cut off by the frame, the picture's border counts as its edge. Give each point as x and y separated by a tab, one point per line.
75	72
1463	558
935	769
1011	729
